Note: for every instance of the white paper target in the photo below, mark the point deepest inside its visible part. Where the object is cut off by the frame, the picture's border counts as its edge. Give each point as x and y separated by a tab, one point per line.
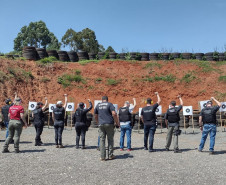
51	107
84	105
32	105
203	104
159	110
96	102
70	107
140	109
187	110
116	107
223	107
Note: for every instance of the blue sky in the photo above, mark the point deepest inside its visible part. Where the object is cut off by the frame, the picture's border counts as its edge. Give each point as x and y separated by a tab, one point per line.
132	25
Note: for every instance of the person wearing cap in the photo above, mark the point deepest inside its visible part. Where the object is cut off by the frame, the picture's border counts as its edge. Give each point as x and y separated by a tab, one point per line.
79	119
38	116
148	117
125	116
5	112
16	113
172	117
58	117
208	124
106	116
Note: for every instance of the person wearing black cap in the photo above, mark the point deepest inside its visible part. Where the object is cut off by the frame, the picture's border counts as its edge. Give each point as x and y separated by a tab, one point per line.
207	123
148	117
38	116
58	117
79	119
5	112
172	117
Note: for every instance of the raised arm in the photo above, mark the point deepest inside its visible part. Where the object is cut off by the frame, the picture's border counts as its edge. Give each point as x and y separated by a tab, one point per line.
158	97
90	105
46	102
15	97
218	103
181	101
65	104
134	102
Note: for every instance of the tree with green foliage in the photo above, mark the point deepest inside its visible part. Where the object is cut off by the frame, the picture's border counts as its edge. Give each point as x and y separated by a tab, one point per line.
36	34
109	49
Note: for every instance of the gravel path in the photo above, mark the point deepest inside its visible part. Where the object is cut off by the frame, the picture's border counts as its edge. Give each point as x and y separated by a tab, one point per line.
49	165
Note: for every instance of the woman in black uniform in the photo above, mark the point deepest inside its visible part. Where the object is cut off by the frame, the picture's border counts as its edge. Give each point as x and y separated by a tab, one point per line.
58	117
38	116
79	119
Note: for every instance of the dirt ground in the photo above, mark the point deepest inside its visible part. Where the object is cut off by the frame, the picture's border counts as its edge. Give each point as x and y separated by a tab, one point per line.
131	77
49	165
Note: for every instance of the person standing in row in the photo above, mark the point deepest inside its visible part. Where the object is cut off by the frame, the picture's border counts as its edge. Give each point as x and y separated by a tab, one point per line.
106	116
38	116
58	117
148	117
125	116
5	113
16	113
208	124
79	119
173	118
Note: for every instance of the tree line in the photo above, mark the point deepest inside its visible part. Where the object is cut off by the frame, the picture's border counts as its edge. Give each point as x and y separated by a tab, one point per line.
37	34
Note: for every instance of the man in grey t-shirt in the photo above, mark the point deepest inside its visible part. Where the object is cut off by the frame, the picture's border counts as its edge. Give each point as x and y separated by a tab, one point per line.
106	117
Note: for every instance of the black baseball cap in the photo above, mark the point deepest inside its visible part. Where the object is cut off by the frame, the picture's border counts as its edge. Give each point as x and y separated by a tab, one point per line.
39	103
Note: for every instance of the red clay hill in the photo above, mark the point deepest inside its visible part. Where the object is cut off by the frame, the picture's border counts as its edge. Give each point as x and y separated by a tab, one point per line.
119	80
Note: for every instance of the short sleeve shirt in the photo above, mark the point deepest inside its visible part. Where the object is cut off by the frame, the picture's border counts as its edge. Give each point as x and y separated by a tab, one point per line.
15	111
177	109
149	115
104	111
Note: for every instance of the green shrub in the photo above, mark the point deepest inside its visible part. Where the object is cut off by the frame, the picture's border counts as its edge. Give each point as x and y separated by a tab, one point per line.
205	66
188	77
167	78
153	64
67	79
20	74
48	60
112	81
84	62
77	72
222	79
128	56
98	80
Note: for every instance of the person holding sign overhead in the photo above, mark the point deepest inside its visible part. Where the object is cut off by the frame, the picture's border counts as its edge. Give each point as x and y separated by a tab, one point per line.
148	117
172	119
58	117
38	116
79	119
125	116
208	124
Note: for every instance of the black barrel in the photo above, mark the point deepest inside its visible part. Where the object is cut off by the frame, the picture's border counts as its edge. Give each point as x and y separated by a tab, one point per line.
175	55
9	56
41	52
53	53
83	55
101	55
144	56
73	56
30	53
92	56
135	56
122	56
221	56
154	56
209	56
165	56
186	56
199	56
16	56
112	55
63	56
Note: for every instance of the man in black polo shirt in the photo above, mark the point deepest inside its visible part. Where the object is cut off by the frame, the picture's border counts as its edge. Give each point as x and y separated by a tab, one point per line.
208	118
106	117
148	117
173	118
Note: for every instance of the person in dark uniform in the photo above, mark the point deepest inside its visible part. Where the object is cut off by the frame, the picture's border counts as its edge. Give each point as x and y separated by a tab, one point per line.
58	117
5	112
208	124
79	119
148	117
38	116
173	118
106	116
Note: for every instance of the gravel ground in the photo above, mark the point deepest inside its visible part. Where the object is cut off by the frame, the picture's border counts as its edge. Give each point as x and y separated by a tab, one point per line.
49	165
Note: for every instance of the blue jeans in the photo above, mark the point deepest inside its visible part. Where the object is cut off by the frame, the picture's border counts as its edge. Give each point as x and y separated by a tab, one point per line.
149	130
208	129
7	128
125	129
